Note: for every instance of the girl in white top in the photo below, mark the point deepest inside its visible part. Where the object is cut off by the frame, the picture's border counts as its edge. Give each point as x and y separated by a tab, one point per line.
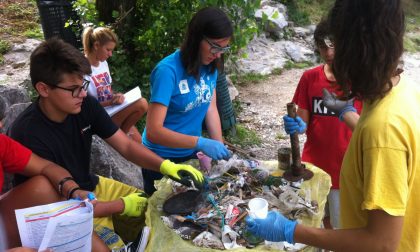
98	45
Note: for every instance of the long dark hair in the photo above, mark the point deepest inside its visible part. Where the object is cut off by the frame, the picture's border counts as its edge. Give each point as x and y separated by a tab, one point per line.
208	22
368	37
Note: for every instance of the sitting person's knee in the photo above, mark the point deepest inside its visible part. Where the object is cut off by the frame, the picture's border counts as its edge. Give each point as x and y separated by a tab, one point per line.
142	105
40	185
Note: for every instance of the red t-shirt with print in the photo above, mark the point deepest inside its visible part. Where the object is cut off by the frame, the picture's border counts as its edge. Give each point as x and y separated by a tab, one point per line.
327	137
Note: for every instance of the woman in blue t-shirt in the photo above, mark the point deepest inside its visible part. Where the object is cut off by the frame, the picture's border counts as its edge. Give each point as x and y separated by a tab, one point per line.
183	95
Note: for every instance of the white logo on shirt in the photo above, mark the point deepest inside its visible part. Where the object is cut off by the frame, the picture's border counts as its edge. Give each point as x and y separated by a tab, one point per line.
85	129
183	87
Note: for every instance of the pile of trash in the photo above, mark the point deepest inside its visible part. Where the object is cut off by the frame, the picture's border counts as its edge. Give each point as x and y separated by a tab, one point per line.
213	217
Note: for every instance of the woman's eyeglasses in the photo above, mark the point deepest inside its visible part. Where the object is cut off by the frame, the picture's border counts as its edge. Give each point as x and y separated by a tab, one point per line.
216	48
75	92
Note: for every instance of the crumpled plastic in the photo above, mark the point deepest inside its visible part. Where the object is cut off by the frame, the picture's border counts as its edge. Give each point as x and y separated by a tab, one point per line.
208	240
162	238
229	238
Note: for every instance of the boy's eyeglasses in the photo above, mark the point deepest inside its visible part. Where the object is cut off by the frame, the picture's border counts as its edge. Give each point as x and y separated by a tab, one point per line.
328	42
75	92
216	48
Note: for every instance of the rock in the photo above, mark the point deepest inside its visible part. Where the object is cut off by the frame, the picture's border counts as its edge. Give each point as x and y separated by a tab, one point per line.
298	53
301	32
263	56
107	162
276	19
18	64
12	113
15	71
12	95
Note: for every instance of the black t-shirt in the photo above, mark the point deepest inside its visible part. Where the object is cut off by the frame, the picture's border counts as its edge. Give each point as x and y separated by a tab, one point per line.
68	143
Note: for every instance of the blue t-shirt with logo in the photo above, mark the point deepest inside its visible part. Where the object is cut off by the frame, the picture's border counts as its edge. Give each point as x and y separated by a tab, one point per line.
186	99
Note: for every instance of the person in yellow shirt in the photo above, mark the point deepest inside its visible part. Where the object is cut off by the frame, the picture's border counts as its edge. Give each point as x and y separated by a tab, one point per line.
381	168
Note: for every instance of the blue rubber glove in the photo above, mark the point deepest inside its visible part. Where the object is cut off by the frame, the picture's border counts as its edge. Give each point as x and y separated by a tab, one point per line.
292	125
273	228
337	106
212	148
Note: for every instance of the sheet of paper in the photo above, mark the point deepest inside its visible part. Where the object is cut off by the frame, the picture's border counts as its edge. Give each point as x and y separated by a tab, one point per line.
62	226
129	97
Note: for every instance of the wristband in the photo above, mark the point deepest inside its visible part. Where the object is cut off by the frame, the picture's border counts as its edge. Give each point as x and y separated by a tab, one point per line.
70	194
61	184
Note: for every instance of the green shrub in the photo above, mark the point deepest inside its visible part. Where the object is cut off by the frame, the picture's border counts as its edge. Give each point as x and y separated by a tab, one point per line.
4	46
243	136
247	78
35	33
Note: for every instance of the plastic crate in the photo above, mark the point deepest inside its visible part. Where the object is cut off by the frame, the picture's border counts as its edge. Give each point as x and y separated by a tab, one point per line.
54	15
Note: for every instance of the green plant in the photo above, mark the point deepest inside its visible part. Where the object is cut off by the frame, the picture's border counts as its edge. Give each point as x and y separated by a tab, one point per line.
300	65
280	136
243	136
4	46
237	106
87	12
16	17
296	14
248	78
35	33
277	71
412	10
412	43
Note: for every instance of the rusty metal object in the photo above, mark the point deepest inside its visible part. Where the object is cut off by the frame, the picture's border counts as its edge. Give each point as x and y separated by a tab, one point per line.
284	158
298	170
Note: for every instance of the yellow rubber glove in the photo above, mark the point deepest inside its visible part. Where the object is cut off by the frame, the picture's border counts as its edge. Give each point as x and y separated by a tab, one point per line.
182	173
134	204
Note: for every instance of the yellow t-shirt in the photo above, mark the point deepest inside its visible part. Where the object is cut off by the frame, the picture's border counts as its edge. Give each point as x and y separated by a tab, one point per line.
381	168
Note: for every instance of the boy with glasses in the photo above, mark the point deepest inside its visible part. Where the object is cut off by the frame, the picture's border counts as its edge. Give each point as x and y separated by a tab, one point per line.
47	183
59	127
324	152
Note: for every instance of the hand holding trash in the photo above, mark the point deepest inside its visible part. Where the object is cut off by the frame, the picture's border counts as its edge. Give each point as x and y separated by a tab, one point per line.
273	228
212	148
339	107
182	173
292	125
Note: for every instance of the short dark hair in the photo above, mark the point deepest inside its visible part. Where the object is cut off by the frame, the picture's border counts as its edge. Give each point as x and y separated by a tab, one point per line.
209	22
322	31
53	58
368	38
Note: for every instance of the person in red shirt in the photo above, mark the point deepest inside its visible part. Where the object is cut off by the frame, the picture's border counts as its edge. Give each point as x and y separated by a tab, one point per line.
48	183
317	121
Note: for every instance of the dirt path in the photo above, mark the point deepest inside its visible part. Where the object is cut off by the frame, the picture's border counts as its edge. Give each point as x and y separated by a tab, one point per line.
264	105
